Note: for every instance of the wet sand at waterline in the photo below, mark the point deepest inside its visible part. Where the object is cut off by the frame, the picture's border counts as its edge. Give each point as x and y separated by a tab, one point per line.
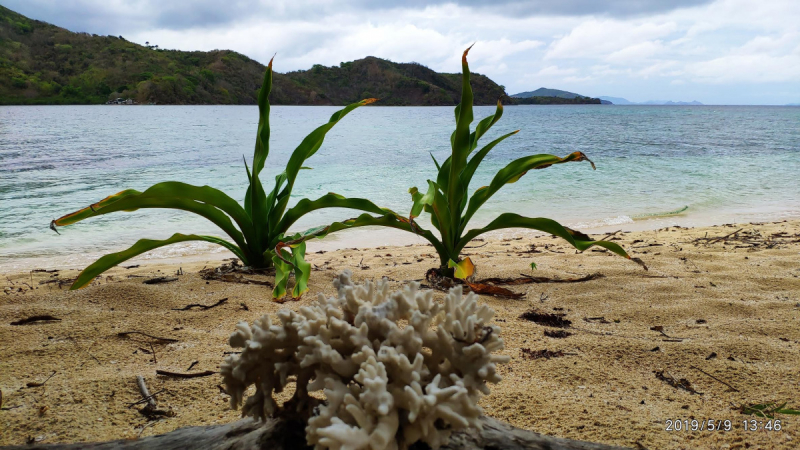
723	314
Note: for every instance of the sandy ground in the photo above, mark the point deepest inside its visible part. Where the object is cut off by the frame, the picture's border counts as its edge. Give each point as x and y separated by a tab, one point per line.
729	311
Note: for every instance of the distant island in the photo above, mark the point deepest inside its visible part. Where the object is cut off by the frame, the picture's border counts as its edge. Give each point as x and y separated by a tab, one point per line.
44	64
547	96
622	101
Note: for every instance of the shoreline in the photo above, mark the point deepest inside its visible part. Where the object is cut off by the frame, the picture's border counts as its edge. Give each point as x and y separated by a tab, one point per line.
373	237
730	308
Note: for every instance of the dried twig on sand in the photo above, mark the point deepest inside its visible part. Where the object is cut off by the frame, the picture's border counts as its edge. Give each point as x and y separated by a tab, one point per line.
126	333
527	279
202	307
733	389
149	409
35	384
151	402
185	375
32	319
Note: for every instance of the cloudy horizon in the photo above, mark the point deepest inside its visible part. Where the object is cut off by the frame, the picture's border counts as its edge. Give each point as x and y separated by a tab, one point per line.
712	51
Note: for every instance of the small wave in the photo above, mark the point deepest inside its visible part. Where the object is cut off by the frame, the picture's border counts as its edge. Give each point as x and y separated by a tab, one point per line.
608	221
660	214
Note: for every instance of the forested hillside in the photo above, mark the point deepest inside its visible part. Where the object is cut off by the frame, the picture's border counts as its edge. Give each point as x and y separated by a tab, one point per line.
44	64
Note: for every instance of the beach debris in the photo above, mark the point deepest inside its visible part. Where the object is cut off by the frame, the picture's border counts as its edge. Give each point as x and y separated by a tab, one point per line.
558	334
127	333
233	273
60	281
731	388
6	408
752	239
146	399
600	319
151	402
660	329
36	384
683	383
546	319
150	409
711	356
488	289
538	354
194	363
527	279
201	307
34	319
243	306
442	282
45	271
131	266
158	280
167	373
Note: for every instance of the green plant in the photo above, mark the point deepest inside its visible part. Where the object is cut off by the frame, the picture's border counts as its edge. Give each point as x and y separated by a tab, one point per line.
259	233
450	205
768	410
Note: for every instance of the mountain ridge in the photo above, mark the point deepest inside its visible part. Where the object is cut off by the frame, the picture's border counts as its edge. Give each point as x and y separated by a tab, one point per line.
41	63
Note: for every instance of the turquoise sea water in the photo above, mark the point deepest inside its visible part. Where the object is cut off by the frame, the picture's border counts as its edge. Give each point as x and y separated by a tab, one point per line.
727	163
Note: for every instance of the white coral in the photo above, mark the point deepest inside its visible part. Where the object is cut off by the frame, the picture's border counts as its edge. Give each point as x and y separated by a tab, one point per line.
395	368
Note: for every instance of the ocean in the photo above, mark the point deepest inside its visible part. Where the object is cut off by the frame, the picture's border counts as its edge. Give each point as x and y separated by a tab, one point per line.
727	164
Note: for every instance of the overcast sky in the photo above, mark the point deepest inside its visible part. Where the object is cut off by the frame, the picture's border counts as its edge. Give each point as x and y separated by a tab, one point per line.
716	52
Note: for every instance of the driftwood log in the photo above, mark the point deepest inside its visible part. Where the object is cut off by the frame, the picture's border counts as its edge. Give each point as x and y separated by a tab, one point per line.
247	434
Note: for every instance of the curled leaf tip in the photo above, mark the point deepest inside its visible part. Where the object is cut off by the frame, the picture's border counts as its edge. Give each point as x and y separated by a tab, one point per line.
53	226
367	101
270	61
464	57
516	132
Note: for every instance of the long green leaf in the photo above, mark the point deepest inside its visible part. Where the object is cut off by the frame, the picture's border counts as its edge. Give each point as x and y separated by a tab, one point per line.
92	209
329	200
365	220
578	240
510	174
302	270
305	150
144	245
282	271
460	141
261	151
256	203
173	195
472	165
484	125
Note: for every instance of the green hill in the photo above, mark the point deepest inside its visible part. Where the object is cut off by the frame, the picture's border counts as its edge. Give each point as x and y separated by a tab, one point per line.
44	64
547	92
546	96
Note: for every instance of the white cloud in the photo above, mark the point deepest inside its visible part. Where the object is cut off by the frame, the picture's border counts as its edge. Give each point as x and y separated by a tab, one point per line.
597	39
636	52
